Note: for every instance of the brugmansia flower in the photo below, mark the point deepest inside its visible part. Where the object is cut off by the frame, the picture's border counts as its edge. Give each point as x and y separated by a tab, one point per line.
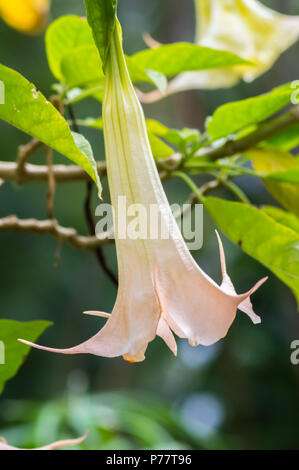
161	288
244	27
53	446
27	16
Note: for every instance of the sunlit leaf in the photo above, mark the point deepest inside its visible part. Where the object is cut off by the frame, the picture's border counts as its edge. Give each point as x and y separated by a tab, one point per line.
233	117
173	59
14	351
27	109
260	236
283	217
159	148
82	66
286	140
282	166
64	35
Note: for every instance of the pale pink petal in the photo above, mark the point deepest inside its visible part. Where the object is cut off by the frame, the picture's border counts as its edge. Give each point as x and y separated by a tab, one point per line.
130	327
227	286
150	41
195	307
95	313
53	446
165	333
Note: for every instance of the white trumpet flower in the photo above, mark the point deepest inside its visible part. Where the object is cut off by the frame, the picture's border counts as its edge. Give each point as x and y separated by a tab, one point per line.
161	288
245	27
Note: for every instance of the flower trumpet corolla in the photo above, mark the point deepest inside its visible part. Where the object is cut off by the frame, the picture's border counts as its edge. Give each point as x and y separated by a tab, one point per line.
245	27
27	16
161	288
53	446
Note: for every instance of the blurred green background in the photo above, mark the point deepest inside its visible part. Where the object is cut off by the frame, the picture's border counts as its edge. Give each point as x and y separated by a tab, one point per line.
241	393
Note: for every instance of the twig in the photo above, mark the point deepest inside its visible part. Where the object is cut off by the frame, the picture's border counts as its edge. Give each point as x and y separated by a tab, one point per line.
51	184
39	173
88	213
25	152
91	226
69	235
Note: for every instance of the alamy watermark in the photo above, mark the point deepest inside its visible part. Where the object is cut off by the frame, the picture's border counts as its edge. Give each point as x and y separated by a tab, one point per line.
295	354
2	353
295	94
150	222
2	93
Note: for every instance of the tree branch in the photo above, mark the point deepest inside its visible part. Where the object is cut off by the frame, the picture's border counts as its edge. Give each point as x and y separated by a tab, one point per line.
88	213
39	173
51	227
24	153
51	184
265	131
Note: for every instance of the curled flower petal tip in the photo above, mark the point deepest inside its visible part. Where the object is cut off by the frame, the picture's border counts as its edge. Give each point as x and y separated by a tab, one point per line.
53	446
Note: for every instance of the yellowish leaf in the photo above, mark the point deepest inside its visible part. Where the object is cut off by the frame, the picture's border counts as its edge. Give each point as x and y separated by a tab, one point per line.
273	161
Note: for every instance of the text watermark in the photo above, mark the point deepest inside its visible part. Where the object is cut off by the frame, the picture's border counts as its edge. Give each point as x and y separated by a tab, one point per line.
2	353
2	92
295	354
150	222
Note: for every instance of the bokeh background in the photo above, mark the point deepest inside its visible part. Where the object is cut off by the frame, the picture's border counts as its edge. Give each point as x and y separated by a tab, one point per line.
241	393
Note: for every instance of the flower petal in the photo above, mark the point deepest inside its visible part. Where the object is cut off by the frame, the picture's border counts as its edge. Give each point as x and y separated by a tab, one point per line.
165	333
195	307
53	446
227	286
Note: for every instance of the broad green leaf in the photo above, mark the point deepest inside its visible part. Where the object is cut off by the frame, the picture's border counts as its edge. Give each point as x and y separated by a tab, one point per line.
78	94
280	165
233	117
159	148
101	16
290	176
282	217
28	110
82	66
260	236
64	35
178	137
75	61
176	58
285	140
14	351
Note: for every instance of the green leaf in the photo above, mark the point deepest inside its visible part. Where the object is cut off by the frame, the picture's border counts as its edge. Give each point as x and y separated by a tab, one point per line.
286	140
233	117
14	351
101	16
282	217
78	94
260	236
178	137
75	60
159	148
280	166
83	67
176	58
64	35
28	110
